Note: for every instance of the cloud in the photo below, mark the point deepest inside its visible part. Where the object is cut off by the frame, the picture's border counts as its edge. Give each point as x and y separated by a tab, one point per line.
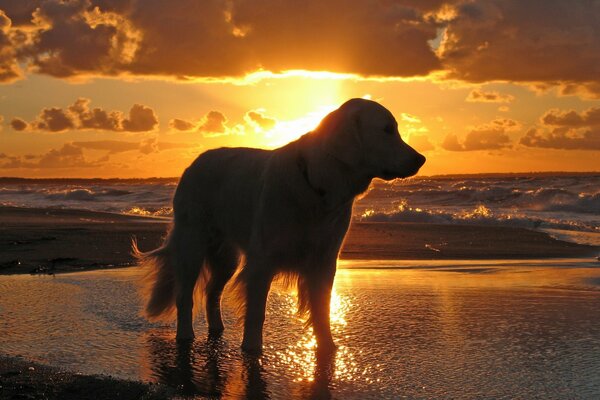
259	121
146	146
79	116
75	38
572	118
420	142
53	120
181	125
490	136
475	40
9	68
481	96
562	138
567	130
213	123
71	154
68	156
490	40
188	38
141	119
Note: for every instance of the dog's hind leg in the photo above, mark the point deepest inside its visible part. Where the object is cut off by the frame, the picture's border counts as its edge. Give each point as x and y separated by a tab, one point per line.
222	261
190	245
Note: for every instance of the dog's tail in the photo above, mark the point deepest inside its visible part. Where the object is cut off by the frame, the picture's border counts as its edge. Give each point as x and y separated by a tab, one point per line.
158	283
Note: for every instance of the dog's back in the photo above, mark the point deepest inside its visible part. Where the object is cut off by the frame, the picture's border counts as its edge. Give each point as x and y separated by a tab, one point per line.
220	190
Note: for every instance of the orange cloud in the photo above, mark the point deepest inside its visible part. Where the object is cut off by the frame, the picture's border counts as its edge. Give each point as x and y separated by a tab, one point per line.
491	136
79	116
68	156
562	138
258	120
224	39
9	69
568	130
475	41
481	96
572	118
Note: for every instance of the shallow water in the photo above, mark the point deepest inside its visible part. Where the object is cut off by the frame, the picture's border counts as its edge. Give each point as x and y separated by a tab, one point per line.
441	330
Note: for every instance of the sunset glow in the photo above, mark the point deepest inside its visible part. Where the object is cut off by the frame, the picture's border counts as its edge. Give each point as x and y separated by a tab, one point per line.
464	93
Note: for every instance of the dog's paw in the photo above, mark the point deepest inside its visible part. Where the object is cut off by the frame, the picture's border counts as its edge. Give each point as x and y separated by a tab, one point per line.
252	349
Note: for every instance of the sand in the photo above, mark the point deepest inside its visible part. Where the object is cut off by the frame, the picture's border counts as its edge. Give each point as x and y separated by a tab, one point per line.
22	379
55	240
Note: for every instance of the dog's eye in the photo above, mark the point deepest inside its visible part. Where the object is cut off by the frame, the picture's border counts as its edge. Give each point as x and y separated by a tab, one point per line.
389	129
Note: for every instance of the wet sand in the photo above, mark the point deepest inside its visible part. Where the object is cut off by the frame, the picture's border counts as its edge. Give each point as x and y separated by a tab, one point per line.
54	241
22	379
523	330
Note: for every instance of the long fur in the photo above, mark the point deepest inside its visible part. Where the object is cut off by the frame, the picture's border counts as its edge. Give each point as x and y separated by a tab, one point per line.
159	285
285	210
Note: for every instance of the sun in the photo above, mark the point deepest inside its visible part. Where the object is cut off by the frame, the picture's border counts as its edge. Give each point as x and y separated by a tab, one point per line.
286	131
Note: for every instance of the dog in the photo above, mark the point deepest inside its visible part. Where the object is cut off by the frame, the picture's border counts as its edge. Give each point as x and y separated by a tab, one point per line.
285	210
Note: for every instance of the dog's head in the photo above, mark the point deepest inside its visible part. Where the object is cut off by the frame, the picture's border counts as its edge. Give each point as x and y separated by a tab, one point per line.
364	134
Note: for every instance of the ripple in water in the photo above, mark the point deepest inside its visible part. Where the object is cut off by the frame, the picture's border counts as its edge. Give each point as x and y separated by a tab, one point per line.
517	332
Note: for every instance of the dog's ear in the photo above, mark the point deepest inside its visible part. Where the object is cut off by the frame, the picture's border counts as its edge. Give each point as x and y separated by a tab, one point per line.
340	135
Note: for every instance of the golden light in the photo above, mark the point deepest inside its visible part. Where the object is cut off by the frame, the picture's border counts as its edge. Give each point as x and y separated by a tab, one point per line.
287	131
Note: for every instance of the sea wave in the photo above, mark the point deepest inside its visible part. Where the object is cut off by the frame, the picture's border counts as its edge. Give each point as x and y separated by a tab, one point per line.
480	215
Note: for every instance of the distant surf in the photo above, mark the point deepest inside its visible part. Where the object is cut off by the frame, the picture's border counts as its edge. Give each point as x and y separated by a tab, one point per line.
563	204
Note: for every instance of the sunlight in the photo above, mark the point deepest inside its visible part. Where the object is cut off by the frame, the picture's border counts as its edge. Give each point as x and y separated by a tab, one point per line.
287	131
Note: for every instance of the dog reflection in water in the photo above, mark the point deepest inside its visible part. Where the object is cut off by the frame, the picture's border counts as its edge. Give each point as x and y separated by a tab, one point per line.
285	210
210	369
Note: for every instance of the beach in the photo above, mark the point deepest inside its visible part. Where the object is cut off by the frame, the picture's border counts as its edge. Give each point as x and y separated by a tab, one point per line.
61	240
420	310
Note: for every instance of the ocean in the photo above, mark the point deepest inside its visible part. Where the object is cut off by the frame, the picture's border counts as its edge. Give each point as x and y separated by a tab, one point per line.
565	205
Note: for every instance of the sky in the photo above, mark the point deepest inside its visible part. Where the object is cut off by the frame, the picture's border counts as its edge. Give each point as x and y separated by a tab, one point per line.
139	88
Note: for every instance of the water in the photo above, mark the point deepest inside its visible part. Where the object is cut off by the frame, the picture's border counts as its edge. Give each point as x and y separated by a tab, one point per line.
465	329
567	206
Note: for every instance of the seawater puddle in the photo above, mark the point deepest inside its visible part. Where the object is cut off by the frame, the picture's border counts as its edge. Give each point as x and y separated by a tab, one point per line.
476	329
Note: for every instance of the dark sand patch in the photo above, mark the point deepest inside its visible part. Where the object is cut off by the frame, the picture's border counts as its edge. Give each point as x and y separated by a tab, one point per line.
20	379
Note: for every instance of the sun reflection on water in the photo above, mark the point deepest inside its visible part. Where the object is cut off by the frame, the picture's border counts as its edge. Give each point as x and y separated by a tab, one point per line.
300	359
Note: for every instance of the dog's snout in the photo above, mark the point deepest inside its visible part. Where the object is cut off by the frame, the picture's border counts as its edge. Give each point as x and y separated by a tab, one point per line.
421	159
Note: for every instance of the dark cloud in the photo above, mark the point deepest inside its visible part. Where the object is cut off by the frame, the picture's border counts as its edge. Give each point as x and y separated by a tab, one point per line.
527	41
181	125
490	136
76	39
482	96
562	138
216	38
95	118
259	120
141	119
567	130
54	120
572	118
483	40
18	124
80	116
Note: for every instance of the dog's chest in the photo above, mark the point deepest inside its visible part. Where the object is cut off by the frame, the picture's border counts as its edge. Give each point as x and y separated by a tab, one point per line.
300	240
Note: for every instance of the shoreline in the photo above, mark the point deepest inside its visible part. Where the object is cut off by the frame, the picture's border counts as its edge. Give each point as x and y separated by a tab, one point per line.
25	379
34	240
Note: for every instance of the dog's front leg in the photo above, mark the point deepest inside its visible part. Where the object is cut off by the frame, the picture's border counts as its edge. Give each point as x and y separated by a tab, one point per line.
319	289
258	282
